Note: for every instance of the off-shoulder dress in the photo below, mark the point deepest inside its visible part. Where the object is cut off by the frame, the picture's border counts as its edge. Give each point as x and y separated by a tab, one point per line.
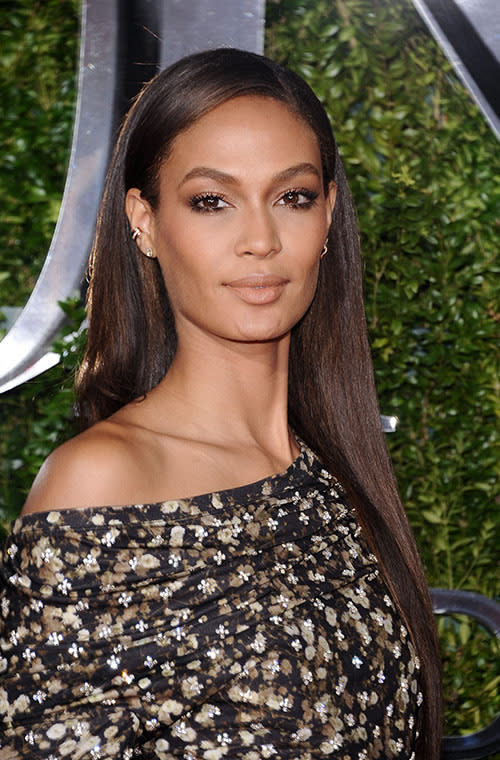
249	623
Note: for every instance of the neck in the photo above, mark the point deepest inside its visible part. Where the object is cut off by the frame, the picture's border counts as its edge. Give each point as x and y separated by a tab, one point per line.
233	391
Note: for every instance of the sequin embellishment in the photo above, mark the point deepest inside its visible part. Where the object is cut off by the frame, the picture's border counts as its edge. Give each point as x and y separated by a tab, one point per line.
247	624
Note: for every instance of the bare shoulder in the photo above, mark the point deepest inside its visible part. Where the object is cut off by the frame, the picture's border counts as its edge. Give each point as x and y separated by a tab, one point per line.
93	469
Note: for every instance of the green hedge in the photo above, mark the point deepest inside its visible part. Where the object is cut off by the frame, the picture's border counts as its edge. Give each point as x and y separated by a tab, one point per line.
424	170
37	92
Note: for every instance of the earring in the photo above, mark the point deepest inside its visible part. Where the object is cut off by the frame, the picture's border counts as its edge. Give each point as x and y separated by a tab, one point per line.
324	250
149	253
136	233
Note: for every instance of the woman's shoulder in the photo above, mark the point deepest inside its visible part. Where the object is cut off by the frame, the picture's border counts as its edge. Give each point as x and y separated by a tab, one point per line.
92	469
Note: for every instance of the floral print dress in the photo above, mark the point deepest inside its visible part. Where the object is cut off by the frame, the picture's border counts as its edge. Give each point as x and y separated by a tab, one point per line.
249	623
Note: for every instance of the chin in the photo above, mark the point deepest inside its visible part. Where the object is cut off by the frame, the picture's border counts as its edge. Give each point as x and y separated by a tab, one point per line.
260	334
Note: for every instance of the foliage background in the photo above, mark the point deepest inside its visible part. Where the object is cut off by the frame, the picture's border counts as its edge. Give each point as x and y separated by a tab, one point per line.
424	171
37	92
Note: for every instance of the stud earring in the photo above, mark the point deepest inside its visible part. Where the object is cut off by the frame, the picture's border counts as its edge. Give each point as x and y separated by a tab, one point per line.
136	233
149	253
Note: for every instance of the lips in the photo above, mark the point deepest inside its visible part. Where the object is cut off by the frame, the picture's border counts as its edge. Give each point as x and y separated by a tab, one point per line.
258	281
258	288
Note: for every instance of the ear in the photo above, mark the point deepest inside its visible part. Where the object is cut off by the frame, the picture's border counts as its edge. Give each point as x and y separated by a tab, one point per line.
331	197
140	214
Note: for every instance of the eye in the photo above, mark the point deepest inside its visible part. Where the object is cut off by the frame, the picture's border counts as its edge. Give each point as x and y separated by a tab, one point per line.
208	202
300	198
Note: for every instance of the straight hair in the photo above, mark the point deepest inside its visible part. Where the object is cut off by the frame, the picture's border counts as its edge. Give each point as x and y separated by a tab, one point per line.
333	404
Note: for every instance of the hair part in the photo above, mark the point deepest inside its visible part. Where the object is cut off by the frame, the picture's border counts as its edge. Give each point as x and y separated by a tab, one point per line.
332	398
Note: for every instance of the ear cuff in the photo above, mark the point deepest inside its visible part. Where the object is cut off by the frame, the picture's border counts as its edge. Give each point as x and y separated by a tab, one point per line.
136	234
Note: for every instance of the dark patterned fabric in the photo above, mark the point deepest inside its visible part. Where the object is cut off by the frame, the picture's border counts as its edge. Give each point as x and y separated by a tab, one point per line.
250	623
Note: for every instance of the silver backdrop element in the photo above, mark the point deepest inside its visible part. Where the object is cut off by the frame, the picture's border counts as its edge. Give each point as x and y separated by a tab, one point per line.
486	741
189	27
122	45
469	33
23	351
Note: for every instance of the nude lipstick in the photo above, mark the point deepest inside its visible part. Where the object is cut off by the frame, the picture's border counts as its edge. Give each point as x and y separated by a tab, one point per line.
258	288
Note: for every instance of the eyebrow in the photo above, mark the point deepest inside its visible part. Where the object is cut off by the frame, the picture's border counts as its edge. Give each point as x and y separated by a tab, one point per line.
219	176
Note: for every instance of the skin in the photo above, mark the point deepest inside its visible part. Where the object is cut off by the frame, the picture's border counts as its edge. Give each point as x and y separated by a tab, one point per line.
238	233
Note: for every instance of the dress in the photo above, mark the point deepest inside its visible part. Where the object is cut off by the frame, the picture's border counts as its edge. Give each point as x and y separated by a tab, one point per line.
249	623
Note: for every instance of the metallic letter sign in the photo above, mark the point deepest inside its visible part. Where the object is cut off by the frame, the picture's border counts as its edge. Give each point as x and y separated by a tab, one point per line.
469	33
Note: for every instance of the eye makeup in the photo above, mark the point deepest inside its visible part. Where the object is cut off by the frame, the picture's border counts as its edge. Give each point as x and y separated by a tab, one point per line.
296	198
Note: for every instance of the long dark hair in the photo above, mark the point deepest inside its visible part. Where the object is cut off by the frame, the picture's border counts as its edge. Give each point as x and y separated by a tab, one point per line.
332	400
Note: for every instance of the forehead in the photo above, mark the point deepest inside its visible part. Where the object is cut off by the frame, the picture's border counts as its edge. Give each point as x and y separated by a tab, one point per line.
246	131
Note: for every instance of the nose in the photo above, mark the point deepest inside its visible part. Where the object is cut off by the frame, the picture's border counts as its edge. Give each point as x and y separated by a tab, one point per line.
259	235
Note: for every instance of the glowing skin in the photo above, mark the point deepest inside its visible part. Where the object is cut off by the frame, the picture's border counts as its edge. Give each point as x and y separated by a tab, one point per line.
241	222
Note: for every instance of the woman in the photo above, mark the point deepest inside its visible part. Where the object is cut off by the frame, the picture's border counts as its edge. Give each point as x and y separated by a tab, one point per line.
205	617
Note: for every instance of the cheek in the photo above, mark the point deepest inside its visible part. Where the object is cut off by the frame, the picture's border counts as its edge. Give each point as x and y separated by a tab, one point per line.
175	249
186	243
307	281
306	233
311	259
312	281
184	282
189	278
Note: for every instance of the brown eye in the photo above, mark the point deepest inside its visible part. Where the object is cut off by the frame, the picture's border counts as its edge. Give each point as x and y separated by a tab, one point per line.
292	197
210	201
301	198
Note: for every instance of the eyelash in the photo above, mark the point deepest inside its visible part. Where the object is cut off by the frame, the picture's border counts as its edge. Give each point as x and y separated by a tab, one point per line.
196	199
310	195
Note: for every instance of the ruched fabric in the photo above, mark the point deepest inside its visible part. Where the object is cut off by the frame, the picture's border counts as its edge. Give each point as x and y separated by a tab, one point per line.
250	623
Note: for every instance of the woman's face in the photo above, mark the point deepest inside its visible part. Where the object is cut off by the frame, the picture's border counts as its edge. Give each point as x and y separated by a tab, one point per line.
241	221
